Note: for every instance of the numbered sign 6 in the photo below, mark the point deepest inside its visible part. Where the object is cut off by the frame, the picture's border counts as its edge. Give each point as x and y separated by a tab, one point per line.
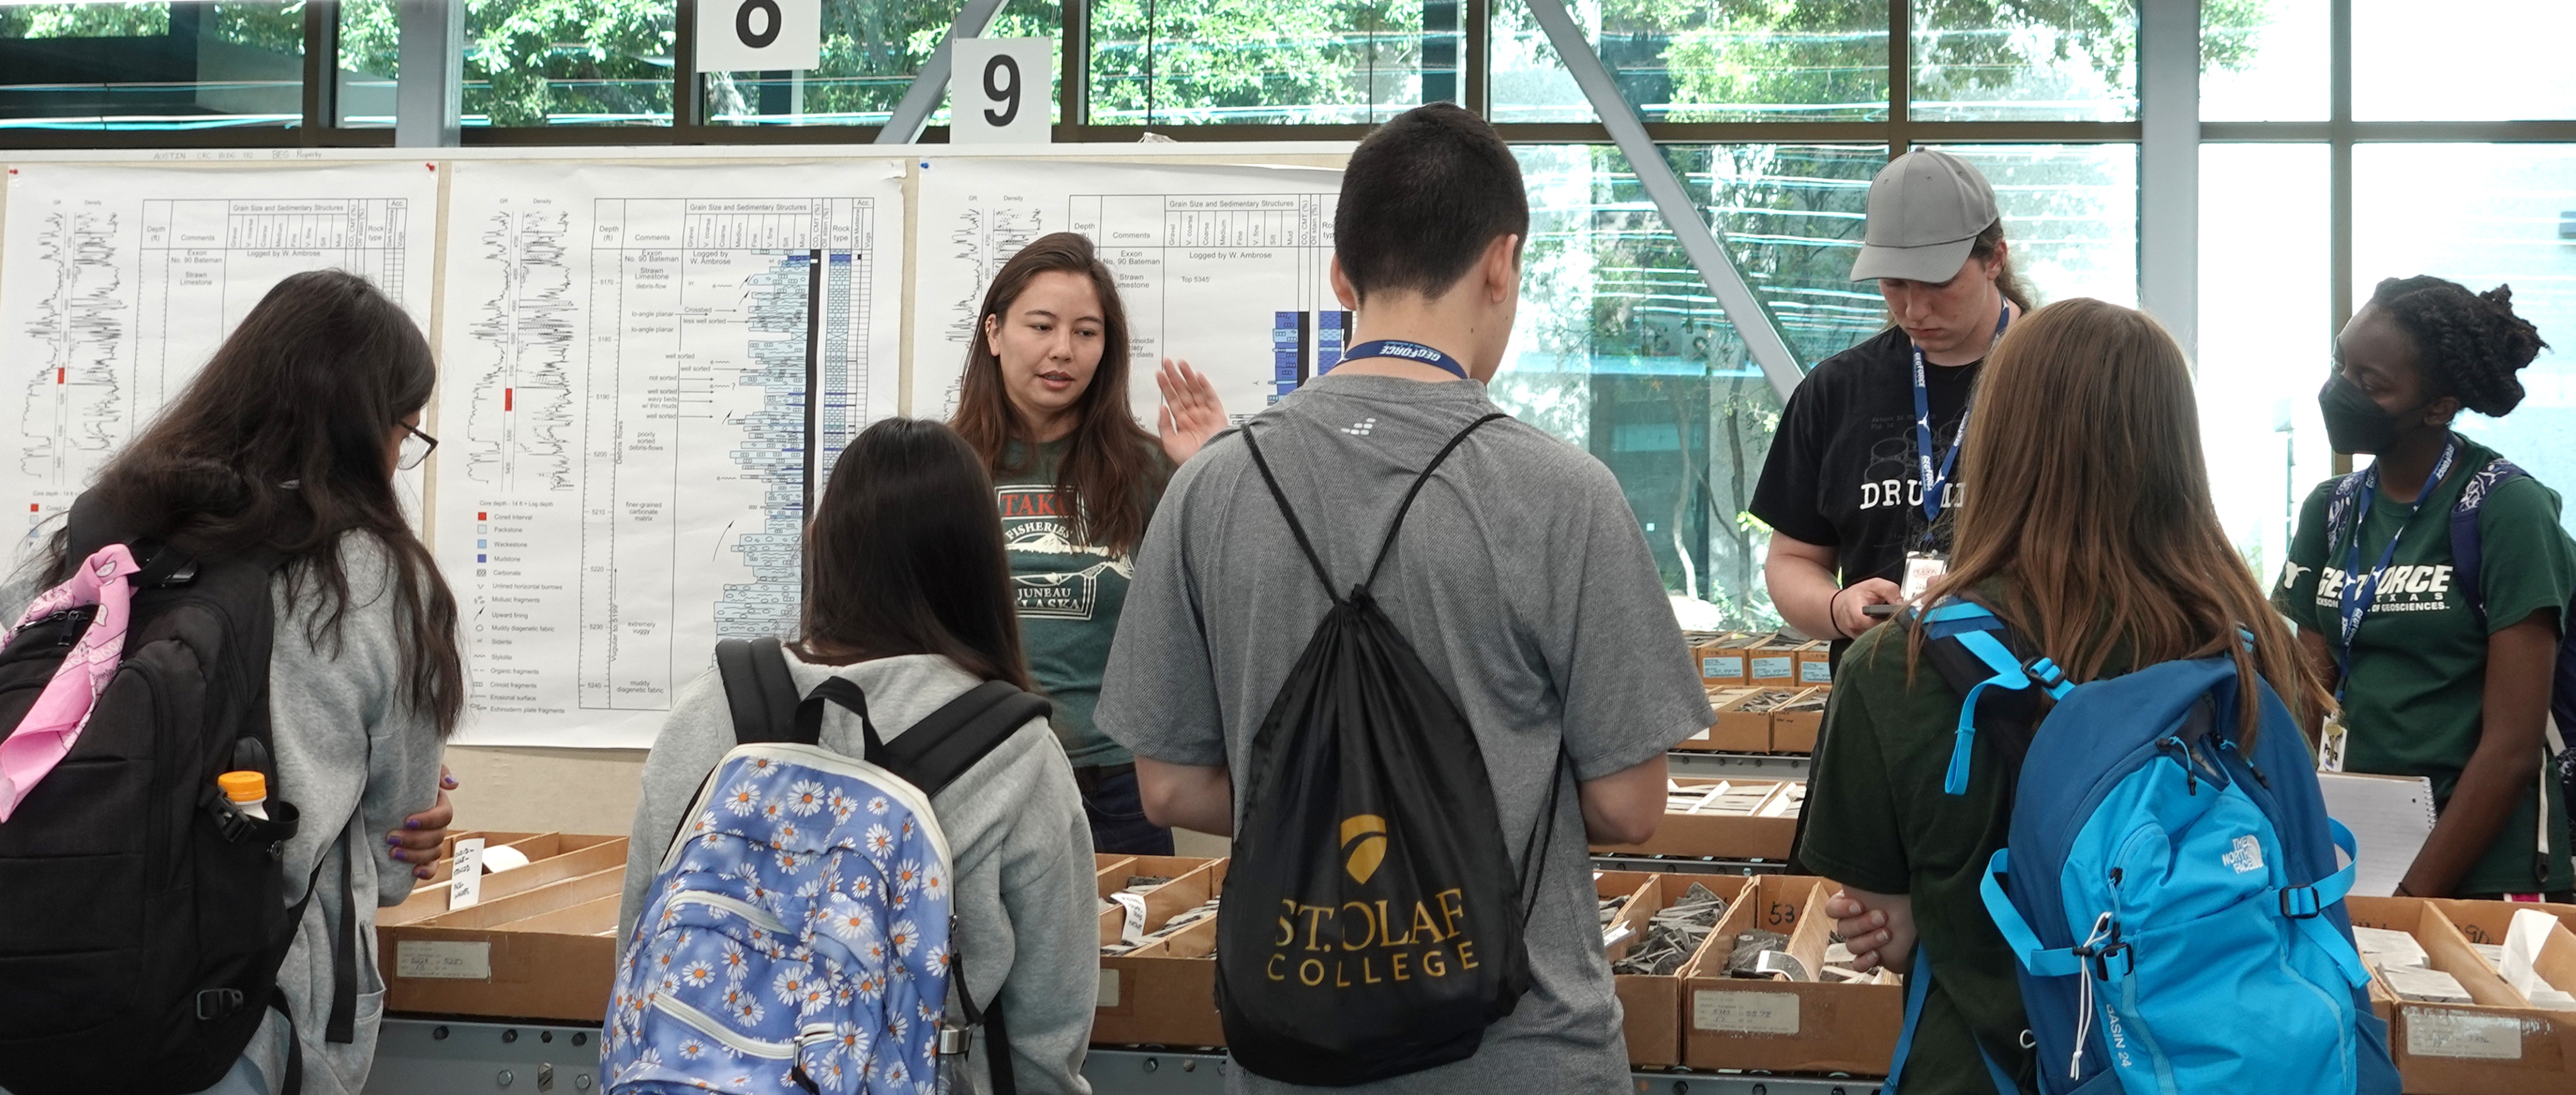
768	35
998	91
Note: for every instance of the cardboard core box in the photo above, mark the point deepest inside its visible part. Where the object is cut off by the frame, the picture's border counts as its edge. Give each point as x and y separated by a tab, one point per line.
1781	1025
1725	819
2498	1043
541	945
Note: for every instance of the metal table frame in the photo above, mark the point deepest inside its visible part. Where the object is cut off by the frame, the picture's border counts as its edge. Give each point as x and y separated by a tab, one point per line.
416	1056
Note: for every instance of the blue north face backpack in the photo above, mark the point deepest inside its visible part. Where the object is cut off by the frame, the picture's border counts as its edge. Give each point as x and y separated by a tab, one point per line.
2171	894
797	933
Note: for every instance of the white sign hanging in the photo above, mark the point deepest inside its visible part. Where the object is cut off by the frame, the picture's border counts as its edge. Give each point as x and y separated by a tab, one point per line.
766	35
997	91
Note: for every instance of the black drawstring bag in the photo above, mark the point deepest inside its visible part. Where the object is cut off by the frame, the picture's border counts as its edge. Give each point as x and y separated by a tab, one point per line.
1372	920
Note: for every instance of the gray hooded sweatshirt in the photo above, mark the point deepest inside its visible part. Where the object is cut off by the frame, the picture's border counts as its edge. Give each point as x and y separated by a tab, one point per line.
355	759
1026	906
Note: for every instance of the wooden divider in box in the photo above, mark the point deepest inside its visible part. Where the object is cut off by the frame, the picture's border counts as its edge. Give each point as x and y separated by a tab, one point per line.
1734	731
1781	1025
1158	911
2497	1044
1650	1005
552	858
548	953
1164	993
1796	724
1732	819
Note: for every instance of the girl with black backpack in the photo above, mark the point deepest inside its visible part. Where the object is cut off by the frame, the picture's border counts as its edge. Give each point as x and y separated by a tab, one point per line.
284	450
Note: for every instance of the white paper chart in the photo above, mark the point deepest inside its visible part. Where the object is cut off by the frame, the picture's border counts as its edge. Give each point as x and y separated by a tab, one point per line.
648	371
117	283
1223	266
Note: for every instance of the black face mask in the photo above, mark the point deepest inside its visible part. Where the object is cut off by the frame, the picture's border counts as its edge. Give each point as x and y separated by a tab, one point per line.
2354	424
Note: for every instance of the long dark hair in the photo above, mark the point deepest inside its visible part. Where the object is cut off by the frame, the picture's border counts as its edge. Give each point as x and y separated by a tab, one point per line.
1102	484
905	556
2086	485
280	444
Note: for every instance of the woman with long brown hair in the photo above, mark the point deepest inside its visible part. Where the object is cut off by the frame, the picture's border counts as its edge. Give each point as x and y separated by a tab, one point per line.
1044	403
287	443
2088	528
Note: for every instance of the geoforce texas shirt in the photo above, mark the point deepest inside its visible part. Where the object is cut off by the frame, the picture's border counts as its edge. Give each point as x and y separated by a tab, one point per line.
1843	471
2416	700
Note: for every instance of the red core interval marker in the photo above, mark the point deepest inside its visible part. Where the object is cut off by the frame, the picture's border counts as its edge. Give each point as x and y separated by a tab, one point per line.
505	398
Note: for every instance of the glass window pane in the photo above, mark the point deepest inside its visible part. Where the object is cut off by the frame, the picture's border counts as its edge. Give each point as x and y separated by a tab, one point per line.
167	66
1701	61
2476	60
2506	215
568	62
2070	216
370	56
2263	61
1620	349
871	50
1981	61
1285	61
2263	338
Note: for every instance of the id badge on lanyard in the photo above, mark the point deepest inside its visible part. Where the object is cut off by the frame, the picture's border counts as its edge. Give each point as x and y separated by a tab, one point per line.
1925	561
1922	568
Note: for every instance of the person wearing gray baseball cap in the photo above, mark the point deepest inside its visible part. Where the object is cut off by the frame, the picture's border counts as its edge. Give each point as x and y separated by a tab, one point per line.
1865	460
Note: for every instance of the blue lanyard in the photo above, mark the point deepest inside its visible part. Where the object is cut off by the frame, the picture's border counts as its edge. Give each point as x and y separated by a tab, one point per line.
2353	600
1934	485
1409	351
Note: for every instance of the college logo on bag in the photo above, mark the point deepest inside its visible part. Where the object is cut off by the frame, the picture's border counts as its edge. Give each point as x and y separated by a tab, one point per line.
1363	846
1347	939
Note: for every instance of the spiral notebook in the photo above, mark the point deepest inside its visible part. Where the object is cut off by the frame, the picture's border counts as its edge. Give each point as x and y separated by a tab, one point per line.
2390	816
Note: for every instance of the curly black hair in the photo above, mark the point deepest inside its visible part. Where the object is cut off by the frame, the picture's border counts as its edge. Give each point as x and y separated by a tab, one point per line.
2470	344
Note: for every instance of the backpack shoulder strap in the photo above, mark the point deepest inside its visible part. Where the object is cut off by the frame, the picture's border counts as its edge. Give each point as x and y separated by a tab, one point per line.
758	688
942	746
2340	510
2467	545
1973	651
1387	547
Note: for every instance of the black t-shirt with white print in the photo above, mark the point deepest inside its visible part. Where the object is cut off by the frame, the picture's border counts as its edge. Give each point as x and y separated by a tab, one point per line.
1843	471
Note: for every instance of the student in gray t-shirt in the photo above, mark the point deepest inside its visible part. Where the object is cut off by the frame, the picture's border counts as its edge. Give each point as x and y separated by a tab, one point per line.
1521	578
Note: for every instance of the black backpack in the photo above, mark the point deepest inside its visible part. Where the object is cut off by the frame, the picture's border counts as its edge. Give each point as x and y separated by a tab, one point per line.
142	919
944	745
1372	921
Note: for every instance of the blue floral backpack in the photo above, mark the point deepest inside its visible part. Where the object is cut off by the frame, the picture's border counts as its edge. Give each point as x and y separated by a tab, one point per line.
797	934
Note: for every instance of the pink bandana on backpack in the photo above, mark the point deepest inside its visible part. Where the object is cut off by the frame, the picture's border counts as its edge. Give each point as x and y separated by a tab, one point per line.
46	735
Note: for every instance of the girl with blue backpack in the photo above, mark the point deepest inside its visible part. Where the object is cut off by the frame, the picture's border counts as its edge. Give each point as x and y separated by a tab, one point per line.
908	605
2070	778
2429	587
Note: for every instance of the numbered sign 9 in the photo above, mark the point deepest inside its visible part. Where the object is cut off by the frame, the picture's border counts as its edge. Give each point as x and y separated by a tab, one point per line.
998	91
769	35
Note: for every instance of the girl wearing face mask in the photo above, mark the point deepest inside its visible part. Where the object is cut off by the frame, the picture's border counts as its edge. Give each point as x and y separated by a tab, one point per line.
1866	460
2439	677
1044	403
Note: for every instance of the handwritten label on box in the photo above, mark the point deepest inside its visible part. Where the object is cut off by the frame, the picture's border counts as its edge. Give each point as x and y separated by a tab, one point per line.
1745	1012
2439	1032
1108	989
465	880
445	961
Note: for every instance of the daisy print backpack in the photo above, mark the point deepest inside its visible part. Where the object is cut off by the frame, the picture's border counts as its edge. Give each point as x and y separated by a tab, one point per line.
797	935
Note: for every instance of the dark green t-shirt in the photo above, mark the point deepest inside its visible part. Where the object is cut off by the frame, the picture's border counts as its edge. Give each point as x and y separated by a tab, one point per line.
1068	594
1877	820
2417	691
